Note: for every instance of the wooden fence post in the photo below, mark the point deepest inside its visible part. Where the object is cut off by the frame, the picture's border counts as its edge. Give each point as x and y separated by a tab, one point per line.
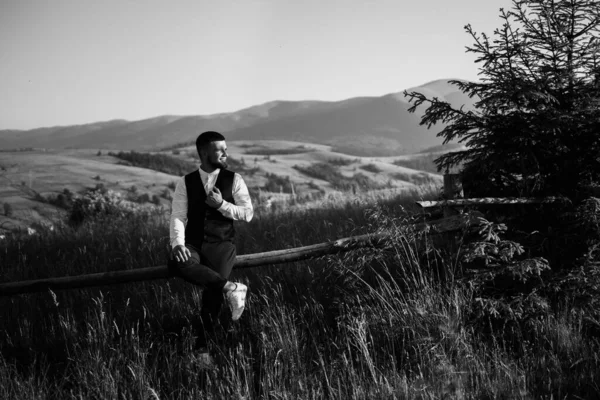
452	190
293	195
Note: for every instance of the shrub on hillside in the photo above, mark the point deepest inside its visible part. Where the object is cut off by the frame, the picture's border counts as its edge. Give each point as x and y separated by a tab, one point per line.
343	161
276	183
96	204
322	171
39	197
370	168
62	200
142	198
157	162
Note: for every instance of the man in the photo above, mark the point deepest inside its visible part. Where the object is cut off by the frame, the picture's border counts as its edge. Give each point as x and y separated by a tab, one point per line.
205	204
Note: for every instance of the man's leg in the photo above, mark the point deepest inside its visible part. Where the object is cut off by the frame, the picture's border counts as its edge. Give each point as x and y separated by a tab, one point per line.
194	271
220	257
197	273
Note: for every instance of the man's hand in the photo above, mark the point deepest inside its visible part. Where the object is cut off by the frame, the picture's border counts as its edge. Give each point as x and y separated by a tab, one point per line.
181	253
214	198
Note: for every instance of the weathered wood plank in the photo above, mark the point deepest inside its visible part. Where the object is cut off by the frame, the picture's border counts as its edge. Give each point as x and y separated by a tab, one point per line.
487	201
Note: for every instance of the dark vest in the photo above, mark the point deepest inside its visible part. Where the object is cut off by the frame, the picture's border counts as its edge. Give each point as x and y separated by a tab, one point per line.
206	224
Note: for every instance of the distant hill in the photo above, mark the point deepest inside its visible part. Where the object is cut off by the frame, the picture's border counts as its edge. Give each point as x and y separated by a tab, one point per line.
47	137
363	126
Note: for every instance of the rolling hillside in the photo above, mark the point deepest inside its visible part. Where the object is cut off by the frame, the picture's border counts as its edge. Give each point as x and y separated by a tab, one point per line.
273	170
364	126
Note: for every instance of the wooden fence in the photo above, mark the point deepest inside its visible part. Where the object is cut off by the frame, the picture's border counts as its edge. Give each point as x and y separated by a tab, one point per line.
453	220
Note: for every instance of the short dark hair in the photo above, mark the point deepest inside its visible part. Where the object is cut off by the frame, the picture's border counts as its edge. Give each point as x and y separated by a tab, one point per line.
206	138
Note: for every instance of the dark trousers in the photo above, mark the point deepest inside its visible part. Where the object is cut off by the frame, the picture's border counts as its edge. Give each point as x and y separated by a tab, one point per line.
208	267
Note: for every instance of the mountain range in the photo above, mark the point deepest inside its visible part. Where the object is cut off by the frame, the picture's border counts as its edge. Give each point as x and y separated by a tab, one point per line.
378	125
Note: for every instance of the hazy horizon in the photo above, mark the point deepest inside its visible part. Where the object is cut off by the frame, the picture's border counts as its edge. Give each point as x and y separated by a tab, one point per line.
73	62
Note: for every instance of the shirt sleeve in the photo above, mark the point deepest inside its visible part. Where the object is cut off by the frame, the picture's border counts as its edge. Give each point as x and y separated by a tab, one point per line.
179	207
242	209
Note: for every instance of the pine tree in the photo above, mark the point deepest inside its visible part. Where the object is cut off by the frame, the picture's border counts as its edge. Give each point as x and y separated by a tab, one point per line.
535	128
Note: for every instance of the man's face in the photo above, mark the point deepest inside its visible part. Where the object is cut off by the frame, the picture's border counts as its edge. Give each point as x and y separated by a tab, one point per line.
216	154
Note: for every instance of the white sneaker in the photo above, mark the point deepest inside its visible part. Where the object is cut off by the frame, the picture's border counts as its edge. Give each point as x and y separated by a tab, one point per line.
237	300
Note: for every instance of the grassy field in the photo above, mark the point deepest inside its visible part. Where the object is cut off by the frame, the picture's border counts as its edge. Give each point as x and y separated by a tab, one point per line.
396	323
26	174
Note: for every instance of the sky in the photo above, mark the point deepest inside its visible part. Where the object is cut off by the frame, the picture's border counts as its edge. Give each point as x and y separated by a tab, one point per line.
80	61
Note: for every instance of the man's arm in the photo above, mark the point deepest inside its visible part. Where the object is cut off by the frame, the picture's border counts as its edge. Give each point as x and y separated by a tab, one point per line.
242	209
179	208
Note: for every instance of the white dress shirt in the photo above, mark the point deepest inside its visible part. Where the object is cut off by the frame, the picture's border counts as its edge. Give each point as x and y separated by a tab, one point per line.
240	211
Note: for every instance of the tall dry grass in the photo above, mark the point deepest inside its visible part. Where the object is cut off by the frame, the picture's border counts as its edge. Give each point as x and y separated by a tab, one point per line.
388	324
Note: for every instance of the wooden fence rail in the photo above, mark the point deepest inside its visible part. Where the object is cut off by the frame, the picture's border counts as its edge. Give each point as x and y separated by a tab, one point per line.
453	221
243	261
162	271
488	201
